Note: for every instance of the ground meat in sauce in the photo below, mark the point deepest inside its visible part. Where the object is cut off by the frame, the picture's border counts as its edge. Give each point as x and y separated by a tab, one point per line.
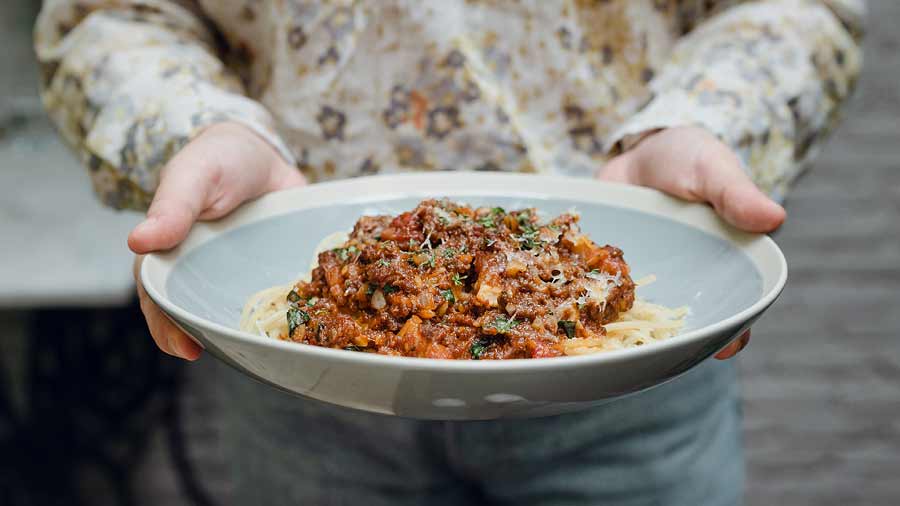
448	281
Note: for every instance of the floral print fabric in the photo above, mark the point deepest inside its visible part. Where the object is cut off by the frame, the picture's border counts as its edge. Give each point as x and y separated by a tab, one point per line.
348	88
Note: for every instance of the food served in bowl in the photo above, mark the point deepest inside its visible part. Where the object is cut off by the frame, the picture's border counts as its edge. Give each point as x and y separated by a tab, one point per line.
728	278
446	280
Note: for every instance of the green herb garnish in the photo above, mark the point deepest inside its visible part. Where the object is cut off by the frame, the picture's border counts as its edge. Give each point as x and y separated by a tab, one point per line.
450	252
478	347
384	262
497	210
312	301
345	253
370	289
293	297
524	218
503	324
567	326
295	318
448	295
527	240
353	347
458	280
389	289
486	221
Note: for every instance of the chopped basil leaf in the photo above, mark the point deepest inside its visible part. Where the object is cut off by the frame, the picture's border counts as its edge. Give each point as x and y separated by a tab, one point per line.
345	253
293	296
527	240
448	295
503	324
479	345
567	326
458	280
449	252
384	262
524	218
430	261
389	289
486	221
498	210
312	301
295	318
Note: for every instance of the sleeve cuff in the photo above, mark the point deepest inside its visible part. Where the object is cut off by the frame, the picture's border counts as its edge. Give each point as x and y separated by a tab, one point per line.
140	132
672	109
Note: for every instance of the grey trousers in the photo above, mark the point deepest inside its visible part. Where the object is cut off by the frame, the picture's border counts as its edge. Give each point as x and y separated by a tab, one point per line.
678	444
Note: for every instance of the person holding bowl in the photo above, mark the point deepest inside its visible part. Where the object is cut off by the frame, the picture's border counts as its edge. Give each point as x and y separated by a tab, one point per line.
186	109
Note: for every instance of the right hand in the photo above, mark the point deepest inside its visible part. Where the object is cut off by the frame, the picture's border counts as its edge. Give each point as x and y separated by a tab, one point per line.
224	166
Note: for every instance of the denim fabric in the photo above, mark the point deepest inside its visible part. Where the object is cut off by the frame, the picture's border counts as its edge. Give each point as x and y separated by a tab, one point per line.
678	444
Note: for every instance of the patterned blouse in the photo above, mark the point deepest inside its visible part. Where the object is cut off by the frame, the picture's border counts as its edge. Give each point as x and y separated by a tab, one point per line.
346	88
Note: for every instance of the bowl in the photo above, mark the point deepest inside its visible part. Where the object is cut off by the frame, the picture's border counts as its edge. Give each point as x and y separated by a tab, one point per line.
727	277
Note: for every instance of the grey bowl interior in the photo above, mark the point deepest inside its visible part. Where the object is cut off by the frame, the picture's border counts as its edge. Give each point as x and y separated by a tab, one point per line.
693	268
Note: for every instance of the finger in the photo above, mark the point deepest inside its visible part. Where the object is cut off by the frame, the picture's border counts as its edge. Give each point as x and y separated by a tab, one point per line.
178	201
723	183
708	172
286	176
734	347
168	338
617	170
249	184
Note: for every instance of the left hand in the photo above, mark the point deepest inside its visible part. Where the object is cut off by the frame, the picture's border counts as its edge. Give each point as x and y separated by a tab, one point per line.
692	164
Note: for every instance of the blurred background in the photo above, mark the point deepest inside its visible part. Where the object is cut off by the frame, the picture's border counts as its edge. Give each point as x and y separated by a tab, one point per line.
90	413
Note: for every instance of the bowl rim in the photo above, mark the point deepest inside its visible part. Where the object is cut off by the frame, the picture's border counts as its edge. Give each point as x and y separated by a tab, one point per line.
699	216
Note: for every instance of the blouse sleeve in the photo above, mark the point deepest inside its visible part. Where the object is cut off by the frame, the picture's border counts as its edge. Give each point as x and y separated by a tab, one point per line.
767	77
128	83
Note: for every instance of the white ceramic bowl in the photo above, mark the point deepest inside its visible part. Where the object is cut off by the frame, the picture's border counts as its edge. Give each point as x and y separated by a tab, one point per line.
727	277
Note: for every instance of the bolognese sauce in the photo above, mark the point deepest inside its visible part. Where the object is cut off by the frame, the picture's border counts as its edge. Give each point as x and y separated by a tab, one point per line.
446	280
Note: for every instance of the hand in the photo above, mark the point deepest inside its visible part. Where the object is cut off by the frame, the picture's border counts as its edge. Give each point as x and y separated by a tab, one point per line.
692	164
224	166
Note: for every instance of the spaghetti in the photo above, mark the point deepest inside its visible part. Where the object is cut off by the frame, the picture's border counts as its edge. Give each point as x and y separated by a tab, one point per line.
448	281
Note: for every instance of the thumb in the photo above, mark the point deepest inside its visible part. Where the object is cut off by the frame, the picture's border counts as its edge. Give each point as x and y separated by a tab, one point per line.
178	202
723	183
